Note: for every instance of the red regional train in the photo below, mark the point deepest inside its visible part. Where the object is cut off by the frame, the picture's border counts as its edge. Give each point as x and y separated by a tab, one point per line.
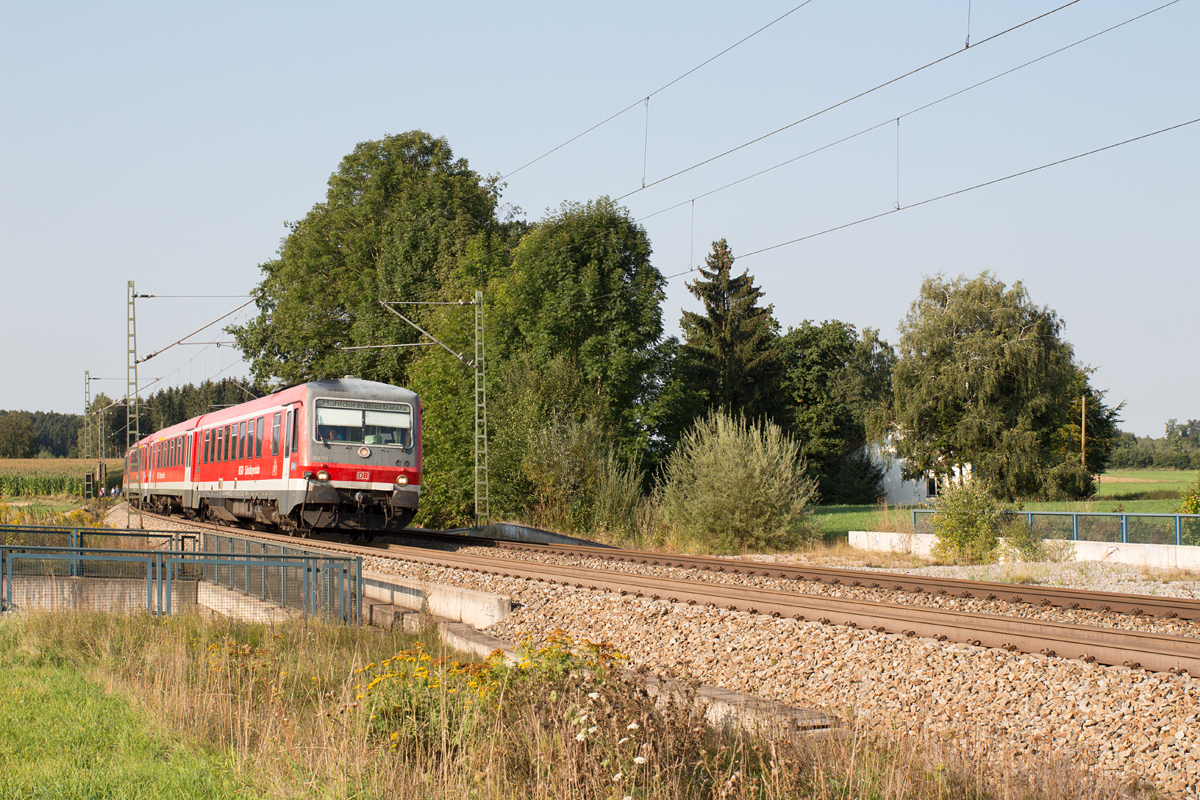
342	454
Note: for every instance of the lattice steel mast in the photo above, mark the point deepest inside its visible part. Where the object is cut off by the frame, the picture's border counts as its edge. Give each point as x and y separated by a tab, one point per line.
482	514
132	427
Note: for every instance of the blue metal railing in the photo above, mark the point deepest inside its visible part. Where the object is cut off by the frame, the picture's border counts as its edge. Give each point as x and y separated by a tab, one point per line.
175	540
322	584
1097	526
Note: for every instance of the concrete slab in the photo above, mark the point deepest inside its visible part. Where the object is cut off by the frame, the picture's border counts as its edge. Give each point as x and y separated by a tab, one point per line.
1166	556
722	707
479	609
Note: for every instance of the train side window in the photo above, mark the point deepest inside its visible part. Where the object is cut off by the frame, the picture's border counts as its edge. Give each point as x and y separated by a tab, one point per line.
258	438
250	430
241	442
222	439
287	435
275	433
296	431
204	450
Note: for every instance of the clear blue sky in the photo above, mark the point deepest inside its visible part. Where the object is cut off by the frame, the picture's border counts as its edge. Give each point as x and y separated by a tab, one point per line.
167	144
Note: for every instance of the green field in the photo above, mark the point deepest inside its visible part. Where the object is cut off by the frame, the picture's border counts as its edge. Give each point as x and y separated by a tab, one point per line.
1145	484
1134	491
66	737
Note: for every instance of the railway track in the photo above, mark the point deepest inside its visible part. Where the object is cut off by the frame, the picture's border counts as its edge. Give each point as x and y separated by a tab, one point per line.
1151	651
1167	607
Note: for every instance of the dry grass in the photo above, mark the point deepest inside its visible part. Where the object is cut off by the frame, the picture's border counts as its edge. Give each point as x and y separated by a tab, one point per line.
306	710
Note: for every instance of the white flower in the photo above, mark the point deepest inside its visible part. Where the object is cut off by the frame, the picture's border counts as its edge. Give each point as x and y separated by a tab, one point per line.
623	741
628	797
639	760
633	726
593	729
618	777
594	695
579	737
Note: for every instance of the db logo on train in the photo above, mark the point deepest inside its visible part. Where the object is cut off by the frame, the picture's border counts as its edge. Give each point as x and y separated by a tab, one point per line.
362	476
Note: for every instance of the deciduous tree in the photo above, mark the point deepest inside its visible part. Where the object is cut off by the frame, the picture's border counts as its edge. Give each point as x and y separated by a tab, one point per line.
985	378
398	215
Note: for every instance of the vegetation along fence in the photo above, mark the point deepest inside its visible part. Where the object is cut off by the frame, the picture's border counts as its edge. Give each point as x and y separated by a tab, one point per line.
1089	526
241	579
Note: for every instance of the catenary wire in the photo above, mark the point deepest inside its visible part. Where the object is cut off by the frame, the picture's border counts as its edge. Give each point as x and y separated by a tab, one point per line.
971	188
913	205
816	114
916	110
646	98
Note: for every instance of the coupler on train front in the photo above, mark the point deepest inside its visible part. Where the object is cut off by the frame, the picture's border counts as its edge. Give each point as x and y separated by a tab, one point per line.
357	511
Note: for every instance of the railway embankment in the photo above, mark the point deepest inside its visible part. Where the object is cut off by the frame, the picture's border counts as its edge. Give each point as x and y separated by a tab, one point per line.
1128	722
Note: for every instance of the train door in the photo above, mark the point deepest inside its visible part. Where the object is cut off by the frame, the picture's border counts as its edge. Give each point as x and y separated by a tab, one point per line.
275	443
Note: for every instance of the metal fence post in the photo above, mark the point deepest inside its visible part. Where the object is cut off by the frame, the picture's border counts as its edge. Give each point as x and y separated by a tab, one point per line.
1124	529
150	586
1178	531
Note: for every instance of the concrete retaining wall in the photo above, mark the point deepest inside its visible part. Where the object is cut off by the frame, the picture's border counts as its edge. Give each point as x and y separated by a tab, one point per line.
477	609
1167	556
116	595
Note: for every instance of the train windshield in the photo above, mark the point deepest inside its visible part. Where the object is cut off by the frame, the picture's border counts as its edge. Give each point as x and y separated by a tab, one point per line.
362	422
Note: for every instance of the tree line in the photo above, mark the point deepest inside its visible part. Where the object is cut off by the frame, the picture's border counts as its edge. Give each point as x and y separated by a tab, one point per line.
40	434
585	393
1179	448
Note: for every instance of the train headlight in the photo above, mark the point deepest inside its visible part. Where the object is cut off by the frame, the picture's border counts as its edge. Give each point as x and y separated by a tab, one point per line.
322	475
402	480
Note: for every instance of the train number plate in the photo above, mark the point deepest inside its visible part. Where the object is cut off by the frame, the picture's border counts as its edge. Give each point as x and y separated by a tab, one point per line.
363	476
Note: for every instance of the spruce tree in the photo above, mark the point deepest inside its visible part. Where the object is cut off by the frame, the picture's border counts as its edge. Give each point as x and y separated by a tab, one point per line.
730	352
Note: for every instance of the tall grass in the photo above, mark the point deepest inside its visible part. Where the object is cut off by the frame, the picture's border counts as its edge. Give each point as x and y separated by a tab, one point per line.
307	710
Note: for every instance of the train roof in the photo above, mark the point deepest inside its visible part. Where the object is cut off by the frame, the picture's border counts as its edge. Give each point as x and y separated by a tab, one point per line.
341	387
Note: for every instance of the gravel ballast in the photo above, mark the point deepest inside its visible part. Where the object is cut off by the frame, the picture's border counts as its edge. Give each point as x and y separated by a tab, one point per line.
1133	723
1137	724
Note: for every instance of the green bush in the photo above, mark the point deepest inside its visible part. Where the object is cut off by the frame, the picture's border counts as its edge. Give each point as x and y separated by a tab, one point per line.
1069	480
732	486
967	524
1191	505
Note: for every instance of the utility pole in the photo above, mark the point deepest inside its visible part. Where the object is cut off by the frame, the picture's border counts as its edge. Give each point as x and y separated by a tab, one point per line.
1083	431
132	429
481	450
87	432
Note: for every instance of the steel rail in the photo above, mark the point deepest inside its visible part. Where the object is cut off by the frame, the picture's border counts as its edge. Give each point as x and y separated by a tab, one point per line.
1063	597
1152	651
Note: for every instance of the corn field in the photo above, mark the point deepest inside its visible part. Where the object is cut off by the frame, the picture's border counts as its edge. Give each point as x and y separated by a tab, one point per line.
46	477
